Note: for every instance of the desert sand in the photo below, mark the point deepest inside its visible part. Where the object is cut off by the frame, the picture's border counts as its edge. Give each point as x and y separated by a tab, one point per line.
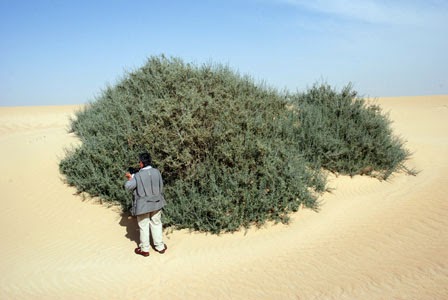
370	239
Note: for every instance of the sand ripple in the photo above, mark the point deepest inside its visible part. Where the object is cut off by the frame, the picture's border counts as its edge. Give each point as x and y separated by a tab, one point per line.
370	240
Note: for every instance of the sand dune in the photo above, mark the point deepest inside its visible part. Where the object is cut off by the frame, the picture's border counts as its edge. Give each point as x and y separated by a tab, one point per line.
370	239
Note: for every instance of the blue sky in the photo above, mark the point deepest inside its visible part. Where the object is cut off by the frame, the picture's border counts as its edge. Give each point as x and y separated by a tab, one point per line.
66	52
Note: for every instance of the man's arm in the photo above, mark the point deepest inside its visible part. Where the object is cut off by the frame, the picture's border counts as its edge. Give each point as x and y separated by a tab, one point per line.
131	184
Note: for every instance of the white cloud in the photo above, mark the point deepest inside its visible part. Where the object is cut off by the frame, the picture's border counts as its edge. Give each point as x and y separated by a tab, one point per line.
419	13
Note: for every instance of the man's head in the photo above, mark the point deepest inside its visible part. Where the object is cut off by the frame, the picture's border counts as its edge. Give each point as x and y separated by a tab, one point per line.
145	159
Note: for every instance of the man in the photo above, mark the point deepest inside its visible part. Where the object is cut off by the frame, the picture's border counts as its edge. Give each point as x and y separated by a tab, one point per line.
147	186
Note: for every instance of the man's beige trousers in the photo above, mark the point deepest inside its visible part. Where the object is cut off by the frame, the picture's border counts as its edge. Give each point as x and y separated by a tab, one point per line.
151	221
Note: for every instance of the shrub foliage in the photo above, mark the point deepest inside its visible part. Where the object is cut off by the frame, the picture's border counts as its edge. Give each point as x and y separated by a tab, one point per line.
232	153
341	132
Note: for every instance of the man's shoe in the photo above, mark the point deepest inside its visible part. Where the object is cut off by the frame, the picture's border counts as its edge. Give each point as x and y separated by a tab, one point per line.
139	251
161	251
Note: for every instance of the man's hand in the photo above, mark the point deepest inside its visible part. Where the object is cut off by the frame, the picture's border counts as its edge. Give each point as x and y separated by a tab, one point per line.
128	176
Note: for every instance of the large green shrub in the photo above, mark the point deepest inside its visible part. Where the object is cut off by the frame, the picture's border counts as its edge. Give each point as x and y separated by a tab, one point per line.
232	153
224	145
341	132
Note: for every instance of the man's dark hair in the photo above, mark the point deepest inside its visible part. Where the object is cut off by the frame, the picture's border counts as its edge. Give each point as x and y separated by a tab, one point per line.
145	158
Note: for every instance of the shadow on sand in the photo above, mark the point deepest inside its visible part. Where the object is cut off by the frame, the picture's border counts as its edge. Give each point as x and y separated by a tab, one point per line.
130	223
